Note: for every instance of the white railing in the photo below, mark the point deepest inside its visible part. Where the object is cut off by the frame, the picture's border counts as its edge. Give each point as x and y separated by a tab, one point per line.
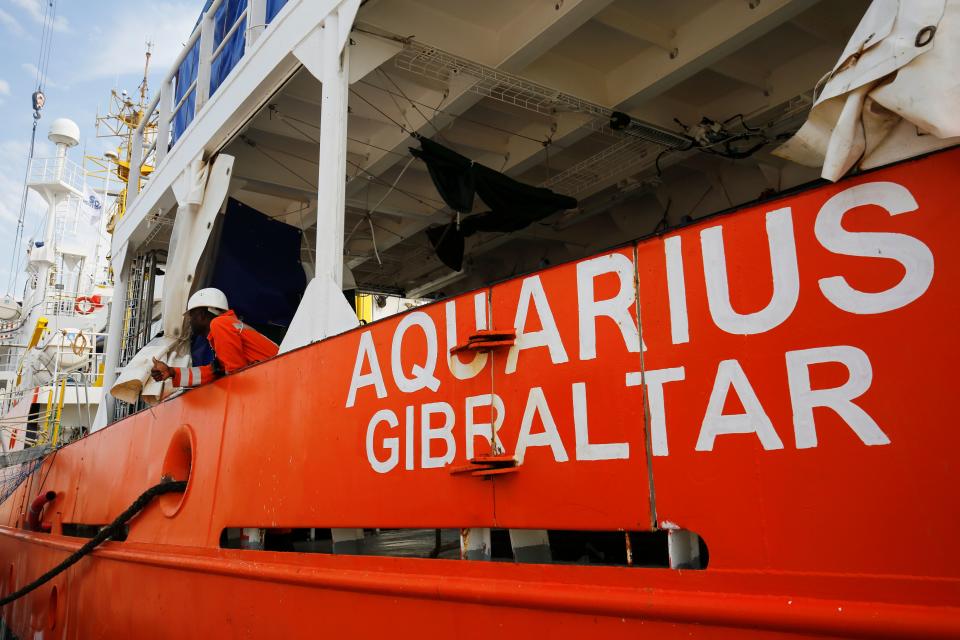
70	305
10	360
58	170
163	102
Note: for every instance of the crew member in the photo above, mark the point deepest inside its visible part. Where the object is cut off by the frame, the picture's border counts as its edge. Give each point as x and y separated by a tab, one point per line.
235	344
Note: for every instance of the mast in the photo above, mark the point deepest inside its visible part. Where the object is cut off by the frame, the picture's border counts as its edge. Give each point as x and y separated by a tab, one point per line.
123	115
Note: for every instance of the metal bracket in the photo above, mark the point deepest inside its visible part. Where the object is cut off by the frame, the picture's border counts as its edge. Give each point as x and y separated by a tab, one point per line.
486	340
488	465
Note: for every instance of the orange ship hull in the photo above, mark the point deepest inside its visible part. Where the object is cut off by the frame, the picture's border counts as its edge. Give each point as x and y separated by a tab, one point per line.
792	414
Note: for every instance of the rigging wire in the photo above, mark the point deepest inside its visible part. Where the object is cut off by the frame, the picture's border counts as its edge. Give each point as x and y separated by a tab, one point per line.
392	187
43	66
438	110
412	103
360	169
284	116
402	127
52	19
18	234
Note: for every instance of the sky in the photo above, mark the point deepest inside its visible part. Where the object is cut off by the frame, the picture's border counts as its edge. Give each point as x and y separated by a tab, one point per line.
97	45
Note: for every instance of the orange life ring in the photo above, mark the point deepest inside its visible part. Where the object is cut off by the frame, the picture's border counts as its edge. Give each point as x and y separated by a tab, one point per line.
87	304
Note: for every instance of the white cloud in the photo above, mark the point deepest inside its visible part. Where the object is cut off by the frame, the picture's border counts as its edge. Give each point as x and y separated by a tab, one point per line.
11	24
166	24
4	87
37	10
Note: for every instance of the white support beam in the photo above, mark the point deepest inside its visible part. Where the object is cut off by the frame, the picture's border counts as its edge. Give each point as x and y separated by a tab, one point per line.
207	29
333	152
541	27
624	21
745	71
118	306
256	20
164	108
710	36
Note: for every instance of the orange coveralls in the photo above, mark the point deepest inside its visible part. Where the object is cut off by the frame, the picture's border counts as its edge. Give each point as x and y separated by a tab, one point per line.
235	345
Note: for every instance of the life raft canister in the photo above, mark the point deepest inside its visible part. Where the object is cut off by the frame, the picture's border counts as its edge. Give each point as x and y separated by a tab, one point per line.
87	304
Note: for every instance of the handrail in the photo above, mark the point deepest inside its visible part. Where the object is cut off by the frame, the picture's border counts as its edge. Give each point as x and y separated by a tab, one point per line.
137	155
183	99
229	34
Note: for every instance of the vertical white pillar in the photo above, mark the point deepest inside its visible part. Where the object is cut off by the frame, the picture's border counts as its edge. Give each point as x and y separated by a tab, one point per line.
347	541
133	176
333	153
164	107
115	329
202	92
683	549
475	544
530	545
256	20
252	538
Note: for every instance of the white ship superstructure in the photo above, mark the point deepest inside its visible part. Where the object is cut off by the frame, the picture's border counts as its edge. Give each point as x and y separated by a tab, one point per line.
52	338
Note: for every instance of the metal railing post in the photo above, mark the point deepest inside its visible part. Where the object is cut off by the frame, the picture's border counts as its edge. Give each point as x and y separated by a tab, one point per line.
164	118
256	20
118	305
136	159
204	61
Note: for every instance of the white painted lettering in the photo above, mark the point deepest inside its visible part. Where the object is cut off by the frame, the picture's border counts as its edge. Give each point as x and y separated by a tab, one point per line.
458	369
484	430
915	256
531	291
409	427
655	379
839	399
581	427
391	444
428	434
616	308
786	279
676	290
753	420
367	352
422	376
549	437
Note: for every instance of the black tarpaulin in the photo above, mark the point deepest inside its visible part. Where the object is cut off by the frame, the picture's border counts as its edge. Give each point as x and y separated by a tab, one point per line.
450	173
513	205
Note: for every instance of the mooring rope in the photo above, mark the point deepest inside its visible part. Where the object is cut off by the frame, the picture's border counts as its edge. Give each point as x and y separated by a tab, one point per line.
105	534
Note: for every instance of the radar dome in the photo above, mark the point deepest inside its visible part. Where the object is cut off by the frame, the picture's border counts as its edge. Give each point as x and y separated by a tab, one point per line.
64	131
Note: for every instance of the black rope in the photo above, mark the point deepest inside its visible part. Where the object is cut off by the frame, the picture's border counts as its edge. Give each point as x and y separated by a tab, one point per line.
105	534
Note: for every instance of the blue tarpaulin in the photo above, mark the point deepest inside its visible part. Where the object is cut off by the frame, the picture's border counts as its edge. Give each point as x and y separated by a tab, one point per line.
273	8
258	267
223	20
223	64
186	74
200	351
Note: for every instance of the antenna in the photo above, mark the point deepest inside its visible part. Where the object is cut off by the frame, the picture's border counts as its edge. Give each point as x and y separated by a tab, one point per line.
146	68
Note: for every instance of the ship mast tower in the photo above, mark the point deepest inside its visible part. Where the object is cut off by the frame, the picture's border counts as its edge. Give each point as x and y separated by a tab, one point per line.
55	179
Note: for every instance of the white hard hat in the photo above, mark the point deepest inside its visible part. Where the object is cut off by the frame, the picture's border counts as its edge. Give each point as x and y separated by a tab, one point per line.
213	299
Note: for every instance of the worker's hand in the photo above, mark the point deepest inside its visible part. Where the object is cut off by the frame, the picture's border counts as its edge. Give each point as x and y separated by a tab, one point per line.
160	371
